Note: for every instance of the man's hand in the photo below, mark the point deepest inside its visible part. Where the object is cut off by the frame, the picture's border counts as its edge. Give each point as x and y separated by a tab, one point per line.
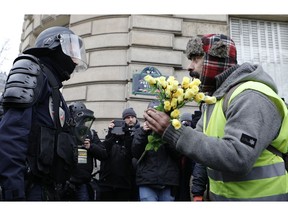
111	124
156	120
86	143
145	126
197	198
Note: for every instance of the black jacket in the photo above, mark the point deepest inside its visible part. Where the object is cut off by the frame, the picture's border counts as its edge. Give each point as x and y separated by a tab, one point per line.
82	174
200	180
155	167
116	170
21	130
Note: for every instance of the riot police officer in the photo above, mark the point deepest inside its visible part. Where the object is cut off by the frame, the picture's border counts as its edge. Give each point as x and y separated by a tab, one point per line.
37	146
90	148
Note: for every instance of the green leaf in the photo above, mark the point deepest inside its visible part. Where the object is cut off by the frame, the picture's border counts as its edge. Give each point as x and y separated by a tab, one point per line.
149	147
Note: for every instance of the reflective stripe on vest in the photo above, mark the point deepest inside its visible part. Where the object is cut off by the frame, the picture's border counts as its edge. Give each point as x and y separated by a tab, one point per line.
268	179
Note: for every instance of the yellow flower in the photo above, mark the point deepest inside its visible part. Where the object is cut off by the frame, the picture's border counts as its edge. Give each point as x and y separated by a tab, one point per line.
209	99
199	97
185	82
175	114
196	82
174	103
170	79
172	97
189	94
176	124
168	92
151	81
167	106
180	99
174	85
162	81
178	93
195	89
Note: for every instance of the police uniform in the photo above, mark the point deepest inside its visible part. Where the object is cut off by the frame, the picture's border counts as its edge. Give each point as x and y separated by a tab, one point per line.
36	121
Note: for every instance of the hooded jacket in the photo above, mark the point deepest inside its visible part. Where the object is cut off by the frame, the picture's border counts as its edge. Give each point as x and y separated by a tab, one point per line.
155	167
251	112
116	168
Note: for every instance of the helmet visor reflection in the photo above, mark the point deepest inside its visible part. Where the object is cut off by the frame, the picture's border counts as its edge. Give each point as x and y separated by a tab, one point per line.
73	46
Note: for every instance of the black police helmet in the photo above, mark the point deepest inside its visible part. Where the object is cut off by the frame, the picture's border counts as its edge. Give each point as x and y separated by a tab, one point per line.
80	112
77	106
63	47
48	39
83	118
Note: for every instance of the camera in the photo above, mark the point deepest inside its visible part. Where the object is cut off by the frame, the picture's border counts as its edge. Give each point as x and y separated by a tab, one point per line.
119	126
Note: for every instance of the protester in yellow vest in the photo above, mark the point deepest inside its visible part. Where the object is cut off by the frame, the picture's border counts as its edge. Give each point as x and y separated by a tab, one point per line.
233	142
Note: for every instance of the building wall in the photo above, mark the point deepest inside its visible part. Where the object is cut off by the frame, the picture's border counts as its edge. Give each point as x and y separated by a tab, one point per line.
3	78
117	47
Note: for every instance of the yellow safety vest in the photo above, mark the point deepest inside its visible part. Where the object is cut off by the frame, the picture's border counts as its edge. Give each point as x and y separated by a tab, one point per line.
268	179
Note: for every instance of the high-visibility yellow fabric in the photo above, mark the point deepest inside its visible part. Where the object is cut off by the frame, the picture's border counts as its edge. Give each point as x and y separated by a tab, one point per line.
275	182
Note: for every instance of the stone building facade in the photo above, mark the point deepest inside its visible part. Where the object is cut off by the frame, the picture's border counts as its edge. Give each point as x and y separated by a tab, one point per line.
120	46
3	77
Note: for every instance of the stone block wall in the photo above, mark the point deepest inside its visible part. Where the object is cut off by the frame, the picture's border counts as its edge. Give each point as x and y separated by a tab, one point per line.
117	47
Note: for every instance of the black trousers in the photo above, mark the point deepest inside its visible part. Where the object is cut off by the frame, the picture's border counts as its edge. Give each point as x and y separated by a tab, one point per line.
116	194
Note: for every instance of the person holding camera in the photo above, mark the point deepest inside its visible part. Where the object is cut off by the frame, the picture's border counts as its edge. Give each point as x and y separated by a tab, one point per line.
116	176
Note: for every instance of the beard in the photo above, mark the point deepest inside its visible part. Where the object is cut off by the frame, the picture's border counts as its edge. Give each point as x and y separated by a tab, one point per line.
194	74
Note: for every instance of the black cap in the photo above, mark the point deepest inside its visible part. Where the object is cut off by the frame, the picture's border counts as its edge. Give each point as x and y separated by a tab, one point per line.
128	112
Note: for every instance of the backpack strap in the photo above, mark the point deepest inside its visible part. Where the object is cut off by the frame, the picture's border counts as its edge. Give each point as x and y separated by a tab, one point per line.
274	151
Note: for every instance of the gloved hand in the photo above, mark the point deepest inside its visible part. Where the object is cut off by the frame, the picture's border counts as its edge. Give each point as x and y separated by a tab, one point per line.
198	198
68	192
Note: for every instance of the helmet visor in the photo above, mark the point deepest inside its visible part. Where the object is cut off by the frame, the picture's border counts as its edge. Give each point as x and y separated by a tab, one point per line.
73	46
83	127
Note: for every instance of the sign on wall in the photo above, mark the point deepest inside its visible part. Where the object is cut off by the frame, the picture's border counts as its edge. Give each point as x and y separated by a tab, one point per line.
140	86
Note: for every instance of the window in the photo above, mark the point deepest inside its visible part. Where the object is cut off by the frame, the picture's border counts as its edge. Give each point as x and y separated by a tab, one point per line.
265	43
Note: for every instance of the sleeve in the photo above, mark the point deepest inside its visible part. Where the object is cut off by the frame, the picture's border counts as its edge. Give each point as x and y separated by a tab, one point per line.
173	153
139	142
14	129
250	114
97	149
199	180
109	141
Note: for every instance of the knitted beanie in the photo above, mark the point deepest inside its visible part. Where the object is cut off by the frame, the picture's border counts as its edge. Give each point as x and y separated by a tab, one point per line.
128	112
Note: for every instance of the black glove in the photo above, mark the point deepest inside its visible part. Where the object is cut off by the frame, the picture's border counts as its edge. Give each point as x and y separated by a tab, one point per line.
69	191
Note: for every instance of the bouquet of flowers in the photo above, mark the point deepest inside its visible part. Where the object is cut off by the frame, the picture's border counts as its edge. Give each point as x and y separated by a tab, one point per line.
172	96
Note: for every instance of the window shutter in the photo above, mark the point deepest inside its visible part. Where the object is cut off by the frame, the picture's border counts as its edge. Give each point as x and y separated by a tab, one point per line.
265	43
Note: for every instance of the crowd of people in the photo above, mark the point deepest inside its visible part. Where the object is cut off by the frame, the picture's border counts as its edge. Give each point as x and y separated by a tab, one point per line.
221	152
